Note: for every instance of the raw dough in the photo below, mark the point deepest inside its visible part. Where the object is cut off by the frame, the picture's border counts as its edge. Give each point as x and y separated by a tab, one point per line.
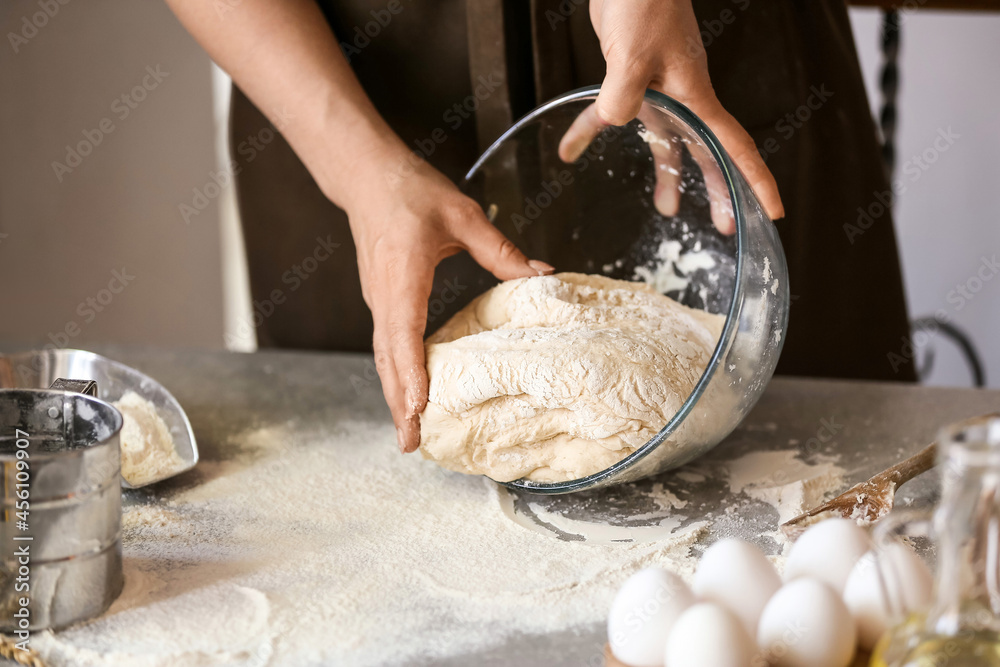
558	377
148	450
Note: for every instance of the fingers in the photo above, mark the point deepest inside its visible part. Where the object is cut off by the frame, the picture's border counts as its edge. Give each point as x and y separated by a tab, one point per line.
666	157
667	195
742	149
579	135
761	181
399	346
719	201
622	91
666	152
620	100
398	287
391	388
495	252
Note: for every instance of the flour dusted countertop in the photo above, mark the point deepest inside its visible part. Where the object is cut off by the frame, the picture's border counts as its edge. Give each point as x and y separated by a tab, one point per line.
303	538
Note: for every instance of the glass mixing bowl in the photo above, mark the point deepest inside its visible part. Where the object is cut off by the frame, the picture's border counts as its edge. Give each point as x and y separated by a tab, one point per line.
603	211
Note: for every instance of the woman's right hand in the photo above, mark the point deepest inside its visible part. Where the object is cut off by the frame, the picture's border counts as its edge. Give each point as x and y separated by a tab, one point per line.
403	226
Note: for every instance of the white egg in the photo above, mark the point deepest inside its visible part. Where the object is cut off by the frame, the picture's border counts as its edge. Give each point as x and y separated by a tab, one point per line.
709	635
642	614
806	624
908	582
738	576
828	551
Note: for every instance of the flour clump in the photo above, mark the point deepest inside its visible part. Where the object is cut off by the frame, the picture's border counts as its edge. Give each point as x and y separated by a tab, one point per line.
147	448
559	377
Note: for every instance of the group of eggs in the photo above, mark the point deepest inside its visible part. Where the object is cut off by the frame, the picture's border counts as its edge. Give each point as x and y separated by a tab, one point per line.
739	612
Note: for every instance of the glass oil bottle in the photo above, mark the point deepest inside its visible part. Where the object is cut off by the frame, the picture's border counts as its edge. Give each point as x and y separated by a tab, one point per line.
962	626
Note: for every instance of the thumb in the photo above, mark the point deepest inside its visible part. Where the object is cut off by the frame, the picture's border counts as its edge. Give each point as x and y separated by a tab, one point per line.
496	253
622	91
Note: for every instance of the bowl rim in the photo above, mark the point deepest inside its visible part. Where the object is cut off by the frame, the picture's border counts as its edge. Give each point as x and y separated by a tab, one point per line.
728	169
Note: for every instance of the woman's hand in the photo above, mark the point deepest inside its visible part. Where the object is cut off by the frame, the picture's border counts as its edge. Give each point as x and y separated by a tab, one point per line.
402	229
656	44
404	218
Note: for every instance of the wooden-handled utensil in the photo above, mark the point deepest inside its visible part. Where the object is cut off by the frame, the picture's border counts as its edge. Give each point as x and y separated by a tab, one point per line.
870	501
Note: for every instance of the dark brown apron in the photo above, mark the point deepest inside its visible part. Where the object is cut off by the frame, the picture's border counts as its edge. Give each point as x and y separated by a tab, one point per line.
769	62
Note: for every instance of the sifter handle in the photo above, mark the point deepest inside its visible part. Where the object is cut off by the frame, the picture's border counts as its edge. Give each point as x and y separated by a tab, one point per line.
88	387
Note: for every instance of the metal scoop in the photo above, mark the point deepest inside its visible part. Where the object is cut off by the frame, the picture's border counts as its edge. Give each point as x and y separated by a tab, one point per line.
39	369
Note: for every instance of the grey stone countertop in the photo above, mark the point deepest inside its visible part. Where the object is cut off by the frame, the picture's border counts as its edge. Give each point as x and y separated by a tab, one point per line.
869	425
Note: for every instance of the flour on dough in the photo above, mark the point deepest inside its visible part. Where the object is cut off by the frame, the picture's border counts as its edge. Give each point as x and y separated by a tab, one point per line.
558	377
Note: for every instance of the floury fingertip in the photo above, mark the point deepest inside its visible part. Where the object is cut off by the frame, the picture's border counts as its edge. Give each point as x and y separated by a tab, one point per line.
542	268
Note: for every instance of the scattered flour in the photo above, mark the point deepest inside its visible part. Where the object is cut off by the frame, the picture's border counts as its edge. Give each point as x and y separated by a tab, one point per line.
672	268
666	499
785	482
139	517
331	548
604	533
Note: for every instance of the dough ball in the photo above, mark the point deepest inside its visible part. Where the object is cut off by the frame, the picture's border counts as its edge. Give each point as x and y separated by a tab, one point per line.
558	377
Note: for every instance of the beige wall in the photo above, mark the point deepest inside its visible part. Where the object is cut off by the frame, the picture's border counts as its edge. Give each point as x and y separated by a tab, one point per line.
118	209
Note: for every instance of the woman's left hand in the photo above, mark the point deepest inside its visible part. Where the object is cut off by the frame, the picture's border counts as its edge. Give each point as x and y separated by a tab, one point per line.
656	44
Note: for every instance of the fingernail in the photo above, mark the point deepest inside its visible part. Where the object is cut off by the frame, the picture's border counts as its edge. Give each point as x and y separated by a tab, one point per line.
540	266
415	421
400	440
